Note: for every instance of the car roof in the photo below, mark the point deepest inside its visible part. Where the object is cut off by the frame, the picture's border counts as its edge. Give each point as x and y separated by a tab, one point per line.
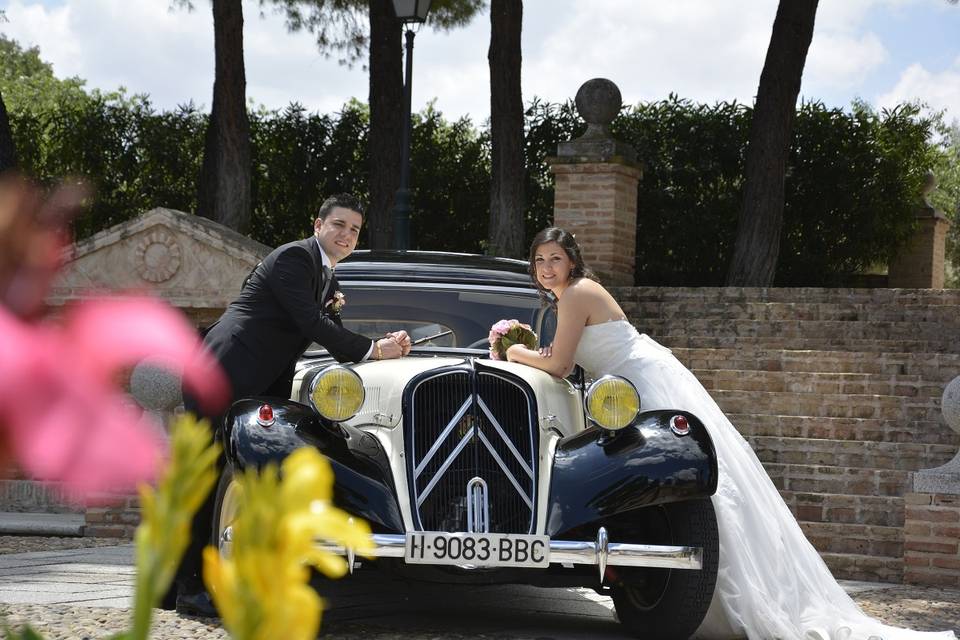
434	266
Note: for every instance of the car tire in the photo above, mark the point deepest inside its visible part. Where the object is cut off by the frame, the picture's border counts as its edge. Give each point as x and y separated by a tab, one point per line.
225	507
671	603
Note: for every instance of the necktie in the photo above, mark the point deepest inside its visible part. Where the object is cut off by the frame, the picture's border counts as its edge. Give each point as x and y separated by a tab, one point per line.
327	282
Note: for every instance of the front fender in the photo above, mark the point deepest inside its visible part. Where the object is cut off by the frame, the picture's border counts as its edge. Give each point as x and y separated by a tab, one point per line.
363	484
597	475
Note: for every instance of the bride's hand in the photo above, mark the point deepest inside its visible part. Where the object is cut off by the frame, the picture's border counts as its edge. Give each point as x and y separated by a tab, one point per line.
547	351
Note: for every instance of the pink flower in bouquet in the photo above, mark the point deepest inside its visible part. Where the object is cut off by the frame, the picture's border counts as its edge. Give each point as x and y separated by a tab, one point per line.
501	327
506	333
61	414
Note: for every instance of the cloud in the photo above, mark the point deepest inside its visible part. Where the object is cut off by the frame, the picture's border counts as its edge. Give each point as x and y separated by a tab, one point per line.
34	24
143	46
701	50
940	90
838	60
704	50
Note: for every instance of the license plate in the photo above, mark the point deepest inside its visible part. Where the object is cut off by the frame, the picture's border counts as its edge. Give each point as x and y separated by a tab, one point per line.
478	549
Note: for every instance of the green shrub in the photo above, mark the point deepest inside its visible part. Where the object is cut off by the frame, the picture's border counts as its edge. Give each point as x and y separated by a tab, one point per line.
853	177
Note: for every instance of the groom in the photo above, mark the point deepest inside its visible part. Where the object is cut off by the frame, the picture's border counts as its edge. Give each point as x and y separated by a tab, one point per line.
284	305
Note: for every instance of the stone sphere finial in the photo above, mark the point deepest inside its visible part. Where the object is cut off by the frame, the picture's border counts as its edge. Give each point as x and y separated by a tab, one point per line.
599	101
155	386
930	184
950	404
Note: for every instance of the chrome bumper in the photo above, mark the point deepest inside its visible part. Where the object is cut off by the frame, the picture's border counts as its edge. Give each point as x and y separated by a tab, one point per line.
600	553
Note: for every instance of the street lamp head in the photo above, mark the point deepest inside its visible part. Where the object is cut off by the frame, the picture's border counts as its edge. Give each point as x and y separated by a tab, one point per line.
411	10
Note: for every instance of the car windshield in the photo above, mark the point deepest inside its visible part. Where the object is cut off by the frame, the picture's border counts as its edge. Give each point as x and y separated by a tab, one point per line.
465	311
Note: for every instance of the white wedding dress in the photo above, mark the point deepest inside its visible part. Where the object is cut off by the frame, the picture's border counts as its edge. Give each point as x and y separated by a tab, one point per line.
772	583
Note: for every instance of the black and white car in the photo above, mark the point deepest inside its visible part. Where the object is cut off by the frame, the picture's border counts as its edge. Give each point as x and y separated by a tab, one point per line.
478	469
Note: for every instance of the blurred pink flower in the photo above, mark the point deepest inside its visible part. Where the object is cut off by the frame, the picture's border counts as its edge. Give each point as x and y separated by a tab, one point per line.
61	414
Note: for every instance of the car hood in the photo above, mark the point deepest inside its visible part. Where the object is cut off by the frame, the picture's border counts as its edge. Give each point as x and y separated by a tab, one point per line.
558	401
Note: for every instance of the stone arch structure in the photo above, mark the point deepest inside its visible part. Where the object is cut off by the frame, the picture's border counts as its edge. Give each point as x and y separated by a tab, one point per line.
195	264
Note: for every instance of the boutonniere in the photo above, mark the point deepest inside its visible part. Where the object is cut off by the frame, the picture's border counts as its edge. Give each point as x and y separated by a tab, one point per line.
336	302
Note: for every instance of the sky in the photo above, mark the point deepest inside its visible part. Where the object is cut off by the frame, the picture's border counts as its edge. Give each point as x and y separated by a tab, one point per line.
882	51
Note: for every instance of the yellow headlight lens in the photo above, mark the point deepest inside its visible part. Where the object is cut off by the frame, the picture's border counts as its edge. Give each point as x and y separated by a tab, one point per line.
337	393
612	402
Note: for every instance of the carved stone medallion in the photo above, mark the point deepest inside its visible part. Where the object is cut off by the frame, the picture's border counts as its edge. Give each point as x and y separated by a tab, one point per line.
157	256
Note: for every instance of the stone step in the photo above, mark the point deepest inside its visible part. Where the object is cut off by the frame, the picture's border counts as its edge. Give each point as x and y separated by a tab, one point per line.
827	479
807	506
861	429
806	382
941	367
851	453
803	310
861	539
699	296
829	405
42	524
835	343
852	566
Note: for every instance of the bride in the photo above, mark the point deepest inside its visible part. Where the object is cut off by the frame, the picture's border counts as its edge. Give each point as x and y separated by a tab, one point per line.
771	583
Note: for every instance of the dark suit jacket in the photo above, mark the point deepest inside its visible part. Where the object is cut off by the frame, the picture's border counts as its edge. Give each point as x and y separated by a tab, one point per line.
260	336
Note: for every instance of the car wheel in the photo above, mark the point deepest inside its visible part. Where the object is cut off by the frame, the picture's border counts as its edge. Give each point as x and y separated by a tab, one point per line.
671	603
225	509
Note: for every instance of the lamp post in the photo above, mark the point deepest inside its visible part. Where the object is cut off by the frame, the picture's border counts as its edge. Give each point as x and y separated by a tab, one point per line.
409	12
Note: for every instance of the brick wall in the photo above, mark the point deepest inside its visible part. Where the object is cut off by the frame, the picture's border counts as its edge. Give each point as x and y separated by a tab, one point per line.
117	517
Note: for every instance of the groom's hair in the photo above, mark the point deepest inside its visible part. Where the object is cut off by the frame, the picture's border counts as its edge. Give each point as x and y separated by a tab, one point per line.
344	200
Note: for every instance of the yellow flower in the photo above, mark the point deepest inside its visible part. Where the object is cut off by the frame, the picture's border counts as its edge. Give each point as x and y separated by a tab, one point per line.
164	531
262	590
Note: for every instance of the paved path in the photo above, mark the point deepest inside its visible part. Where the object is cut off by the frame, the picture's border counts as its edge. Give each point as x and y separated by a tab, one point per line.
87	593
98	577
369	604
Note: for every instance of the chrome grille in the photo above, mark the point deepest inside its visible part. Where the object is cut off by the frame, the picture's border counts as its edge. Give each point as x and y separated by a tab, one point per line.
463	424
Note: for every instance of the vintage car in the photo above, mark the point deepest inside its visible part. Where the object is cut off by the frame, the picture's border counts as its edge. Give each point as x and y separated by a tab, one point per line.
474	469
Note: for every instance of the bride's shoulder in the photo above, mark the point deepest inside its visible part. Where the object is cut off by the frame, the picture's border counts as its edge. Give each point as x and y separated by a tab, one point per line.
580	291
586	287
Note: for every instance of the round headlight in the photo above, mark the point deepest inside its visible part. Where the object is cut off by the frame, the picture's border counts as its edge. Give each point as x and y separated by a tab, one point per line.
337	393
612	402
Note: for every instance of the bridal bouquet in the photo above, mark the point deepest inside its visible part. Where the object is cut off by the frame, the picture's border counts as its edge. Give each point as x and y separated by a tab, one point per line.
506	333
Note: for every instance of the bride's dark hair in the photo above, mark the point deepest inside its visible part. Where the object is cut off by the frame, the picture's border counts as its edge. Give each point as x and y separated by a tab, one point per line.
569	244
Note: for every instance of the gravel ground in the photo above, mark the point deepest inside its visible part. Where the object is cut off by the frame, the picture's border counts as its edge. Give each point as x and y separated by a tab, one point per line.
920	608
923	609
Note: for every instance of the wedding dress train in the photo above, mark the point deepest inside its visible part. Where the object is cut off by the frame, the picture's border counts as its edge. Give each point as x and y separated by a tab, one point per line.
771	583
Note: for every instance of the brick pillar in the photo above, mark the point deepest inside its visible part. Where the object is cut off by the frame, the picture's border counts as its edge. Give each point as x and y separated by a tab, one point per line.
597	201
921	264
595	195
931	539
931	528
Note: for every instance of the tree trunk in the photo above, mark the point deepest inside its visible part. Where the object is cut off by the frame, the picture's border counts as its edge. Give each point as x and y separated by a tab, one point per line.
224	189
761	219
8	151
507	201
383	139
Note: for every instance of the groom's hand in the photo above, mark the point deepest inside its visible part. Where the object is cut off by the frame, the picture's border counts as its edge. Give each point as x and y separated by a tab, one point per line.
387	349
402	339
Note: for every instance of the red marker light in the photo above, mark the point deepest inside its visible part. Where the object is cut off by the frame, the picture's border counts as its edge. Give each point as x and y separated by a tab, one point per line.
265	415
680	425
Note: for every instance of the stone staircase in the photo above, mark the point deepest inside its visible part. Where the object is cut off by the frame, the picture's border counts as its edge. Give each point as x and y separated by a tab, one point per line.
837	390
